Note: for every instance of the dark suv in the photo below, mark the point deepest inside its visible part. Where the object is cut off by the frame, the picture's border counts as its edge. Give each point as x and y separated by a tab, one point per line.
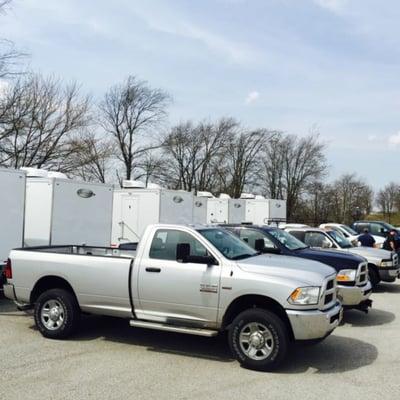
354	288
378	228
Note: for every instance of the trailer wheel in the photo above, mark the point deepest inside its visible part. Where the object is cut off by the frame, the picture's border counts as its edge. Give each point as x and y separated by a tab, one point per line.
259	339
373	276
56	313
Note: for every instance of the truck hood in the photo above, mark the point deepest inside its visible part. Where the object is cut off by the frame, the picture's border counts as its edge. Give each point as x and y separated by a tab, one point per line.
370	252
331	257
308	272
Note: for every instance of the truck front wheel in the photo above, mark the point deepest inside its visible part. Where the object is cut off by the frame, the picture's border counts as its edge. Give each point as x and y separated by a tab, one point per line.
373	276
56	313
259	340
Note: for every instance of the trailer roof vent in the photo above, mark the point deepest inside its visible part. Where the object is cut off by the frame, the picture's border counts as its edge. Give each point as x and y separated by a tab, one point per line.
224	196
55	174
35	172
247	196
151	185
259	197
205	194
128	184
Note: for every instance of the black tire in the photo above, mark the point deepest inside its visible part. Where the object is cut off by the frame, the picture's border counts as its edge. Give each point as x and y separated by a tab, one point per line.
60	304
276	334
373	276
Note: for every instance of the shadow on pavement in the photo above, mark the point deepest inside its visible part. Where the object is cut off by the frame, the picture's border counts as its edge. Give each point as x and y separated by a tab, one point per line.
7	307
335	354
118	330
387	288
373	318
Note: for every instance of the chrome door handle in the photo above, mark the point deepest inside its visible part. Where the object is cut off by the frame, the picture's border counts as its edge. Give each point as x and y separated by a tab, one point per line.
149	269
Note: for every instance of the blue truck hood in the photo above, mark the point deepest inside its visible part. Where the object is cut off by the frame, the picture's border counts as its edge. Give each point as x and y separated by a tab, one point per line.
335	258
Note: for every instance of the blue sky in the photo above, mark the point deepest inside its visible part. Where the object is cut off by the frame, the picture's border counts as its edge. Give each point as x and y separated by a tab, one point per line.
280	64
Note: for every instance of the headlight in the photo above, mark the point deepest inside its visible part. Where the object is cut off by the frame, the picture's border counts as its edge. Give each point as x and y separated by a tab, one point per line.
305	296
346	275
387	263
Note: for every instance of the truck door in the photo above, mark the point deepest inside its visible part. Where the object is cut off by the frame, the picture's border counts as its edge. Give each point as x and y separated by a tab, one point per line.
170	290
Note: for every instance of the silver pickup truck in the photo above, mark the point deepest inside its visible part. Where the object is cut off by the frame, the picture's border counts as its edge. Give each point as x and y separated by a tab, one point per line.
191	279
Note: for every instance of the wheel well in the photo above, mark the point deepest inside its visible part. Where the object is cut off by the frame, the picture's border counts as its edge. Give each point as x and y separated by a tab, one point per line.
255	301
47	283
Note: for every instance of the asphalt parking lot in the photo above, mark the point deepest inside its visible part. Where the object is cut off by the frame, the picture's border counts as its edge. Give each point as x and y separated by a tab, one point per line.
109	360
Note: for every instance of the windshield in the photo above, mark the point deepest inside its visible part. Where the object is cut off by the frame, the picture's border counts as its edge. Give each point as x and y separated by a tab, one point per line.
349	230
388	226
228	244
340	239
287	240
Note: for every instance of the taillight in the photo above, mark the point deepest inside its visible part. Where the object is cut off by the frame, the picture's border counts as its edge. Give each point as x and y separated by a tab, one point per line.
8	270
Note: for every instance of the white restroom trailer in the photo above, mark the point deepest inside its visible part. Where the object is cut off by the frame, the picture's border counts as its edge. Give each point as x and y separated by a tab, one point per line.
217	208
60	211
200	210
12	205
277	211
135	208
256	210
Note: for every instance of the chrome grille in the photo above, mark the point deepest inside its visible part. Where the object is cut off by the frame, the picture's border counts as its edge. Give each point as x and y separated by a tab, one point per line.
362	274
328	296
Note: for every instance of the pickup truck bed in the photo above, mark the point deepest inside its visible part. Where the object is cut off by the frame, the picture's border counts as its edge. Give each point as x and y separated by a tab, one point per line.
89	270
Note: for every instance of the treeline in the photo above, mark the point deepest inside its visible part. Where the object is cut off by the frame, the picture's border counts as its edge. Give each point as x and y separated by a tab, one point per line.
46	123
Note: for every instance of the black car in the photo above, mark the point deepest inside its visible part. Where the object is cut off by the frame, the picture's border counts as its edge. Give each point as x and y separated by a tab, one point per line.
352	269
378	228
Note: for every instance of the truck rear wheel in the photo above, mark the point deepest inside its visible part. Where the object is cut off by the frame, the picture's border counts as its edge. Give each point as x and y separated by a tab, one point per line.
56	313
259	339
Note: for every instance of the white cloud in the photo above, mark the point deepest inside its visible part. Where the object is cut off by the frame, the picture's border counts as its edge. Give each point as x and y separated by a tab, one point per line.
394	140
252	97
335	6
169	22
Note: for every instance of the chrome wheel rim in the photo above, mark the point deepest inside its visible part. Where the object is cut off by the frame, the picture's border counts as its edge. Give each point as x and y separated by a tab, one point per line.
52	315
256	341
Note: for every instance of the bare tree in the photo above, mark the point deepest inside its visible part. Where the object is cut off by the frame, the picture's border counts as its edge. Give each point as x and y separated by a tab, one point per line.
38	118
242	160
130	112
349	194
10	58
194	153
90	158
274	167
290	165
388	199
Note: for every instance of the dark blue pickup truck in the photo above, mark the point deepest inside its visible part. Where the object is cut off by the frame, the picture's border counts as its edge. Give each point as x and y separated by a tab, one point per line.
352	270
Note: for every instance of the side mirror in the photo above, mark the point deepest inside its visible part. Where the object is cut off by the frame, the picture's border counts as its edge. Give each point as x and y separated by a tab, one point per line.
259	245
182	252
183	256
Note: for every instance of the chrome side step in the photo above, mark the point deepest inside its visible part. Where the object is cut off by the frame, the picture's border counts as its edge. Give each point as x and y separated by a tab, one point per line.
172	328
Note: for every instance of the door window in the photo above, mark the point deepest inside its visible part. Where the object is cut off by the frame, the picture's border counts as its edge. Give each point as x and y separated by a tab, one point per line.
250	236
316	239
163	246
375	229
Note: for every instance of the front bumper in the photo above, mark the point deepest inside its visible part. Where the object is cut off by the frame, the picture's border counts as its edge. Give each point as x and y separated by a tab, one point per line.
352	296
314	324
389	274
